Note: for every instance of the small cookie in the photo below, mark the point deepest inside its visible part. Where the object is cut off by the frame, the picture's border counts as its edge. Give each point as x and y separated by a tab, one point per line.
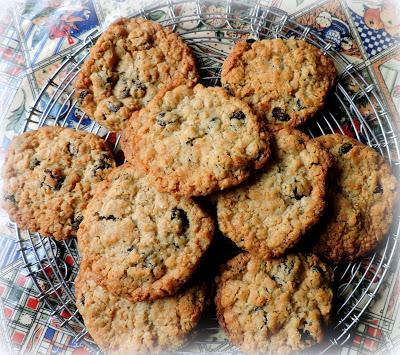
275	307
120	326
270	213
193	141
131	61
284	81
360	199
140	243
49	177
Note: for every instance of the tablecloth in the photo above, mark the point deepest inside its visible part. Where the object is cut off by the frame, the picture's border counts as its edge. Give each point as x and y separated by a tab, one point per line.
35	36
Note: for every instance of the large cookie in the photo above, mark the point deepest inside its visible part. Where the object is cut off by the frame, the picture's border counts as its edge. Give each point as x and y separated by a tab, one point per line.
49	177
138	242
360	200
193	141
284	81
121	326
131	61
270	212
274	307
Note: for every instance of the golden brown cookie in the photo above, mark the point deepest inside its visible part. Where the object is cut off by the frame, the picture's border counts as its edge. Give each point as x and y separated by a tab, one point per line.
360	200
131	61
50	176
277	306
192	141
139	243
284	81
120	326
268	214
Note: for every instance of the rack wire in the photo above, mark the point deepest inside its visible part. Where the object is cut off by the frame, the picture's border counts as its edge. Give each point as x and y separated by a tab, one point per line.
53	265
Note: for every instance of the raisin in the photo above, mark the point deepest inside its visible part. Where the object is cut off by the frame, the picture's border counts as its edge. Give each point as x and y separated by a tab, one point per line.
10	198
345	148
76	221
378	189
59	179
238	115
178	213
228	88
107	218
260	156
278	114
301	141
83	94
139	85
130	248
316	269
112	107
305	335
34	163
160	121
297	196
82	300
101	164
190	141
250	40
109	79
299	105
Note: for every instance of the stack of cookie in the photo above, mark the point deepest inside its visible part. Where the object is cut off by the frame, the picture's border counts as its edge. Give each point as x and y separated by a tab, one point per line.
143	228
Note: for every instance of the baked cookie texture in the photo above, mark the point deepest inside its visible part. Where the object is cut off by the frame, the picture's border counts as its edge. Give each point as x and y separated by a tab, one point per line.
139	243
131	61
361	195
120	326
50	175
192	141
285	82
268	214
275	307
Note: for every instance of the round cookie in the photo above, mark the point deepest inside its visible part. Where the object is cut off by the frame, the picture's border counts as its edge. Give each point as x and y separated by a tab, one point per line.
284	81
49	177
196	140
269	214
120	326
275	307
131	61
360	200
139	243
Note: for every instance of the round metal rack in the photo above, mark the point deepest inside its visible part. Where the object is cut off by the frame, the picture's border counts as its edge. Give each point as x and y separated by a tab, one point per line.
211	34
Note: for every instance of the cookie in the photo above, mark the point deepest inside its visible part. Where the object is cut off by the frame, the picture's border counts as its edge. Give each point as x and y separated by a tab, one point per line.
284	81
120	326
196	140
270	213
140	243
276	306
131	61
360	201
49	177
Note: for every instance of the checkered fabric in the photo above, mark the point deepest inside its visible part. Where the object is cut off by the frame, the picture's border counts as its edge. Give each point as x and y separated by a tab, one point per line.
374	41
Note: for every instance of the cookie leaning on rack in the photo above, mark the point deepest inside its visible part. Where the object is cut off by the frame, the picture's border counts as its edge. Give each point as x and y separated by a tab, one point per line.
49	177
130	62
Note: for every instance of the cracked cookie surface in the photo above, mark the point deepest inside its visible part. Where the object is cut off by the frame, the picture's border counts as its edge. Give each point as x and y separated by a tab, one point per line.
49	177
269	213
192	141
131	61
276	306
284	81
120	326
360	200
139	243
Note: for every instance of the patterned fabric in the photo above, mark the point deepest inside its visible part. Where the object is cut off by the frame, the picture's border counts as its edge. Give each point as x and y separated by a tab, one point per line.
37	35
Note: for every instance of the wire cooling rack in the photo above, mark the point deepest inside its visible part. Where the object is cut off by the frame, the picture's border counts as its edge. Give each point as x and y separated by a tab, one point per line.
211	34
